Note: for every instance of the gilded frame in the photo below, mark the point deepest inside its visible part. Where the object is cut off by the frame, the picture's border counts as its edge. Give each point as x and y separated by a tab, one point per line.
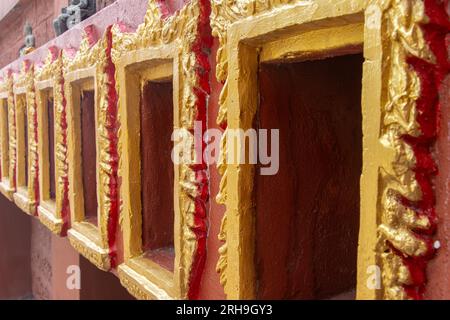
160	39
49	77
26	196
91	61
7	183
395	231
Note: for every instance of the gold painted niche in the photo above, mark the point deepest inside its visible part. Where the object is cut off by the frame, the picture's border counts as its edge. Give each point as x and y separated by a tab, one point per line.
251	31
86	70
161	47
154	65
27	192
7	186
49	84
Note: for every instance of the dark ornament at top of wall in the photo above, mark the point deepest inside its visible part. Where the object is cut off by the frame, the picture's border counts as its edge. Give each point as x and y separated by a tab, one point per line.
30	41
74	13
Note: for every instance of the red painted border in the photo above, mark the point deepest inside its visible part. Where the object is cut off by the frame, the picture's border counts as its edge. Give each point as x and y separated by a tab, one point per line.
201	48
112	125
30	66
65	208
428	106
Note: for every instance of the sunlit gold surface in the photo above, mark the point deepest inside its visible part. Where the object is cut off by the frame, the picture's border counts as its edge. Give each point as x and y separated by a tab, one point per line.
156	42
247	31
402	37
390	89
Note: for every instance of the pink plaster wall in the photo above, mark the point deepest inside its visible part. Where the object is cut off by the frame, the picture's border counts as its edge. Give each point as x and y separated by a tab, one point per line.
128	12
63	256
15	267
6	6
41	13
99	285
41	262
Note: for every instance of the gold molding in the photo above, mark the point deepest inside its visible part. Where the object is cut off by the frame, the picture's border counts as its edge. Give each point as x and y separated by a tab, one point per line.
84	237
159	39
91	62
8	185
402	23
139	286
24	87
242	27
49	76
5	186
392	32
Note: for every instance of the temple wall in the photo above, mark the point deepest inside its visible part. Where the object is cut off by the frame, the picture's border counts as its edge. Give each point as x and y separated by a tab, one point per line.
35	262
213	289
40	14
130	13
41	261
15	254
438	272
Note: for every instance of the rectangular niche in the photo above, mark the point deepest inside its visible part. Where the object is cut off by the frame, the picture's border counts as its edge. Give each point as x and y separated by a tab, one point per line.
84	233
295	234
83	135
47	163
311	226
5	184
21	197
88	152
157	173
149	101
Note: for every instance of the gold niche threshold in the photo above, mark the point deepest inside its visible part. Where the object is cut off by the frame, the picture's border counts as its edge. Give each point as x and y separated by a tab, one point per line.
84	237
22	201
46	212
6	189
146	280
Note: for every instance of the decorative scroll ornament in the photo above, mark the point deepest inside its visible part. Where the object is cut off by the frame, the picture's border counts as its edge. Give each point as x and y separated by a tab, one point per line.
12	132
87	54
97	54
415	40
26	80
9	164
188	27
52	69
2	160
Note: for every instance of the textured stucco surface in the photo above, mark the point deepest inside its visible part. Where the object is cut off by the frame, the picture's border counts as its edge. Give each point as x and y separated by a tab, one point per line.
41	15
438	269
41	261
15	267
